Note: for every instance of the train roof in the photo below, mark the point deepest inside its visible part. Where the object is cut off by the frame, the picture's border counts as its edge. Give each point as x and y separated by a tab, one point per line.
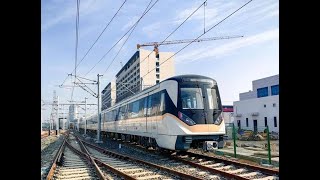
179	78
188	76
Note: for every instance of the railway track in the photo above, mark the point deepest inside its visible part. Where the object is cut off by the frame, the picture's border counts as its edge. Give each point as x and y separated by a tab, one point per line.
142	169
74	166
130	168
214	167
71	164
227	168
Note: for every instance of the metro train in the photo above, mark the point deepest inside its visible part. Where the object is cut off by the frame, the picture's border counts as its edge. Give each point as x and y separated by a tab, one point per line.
179	113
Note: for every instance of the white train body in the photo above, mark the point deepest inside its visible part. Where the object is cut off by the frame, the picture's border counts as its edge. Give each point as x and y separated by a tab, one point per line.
176	114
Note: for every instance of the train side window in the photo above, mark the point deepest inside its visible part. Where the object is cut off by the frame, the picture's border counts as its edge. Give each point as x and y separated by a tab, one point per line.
122	112
141	107
155	104
162	103
109	116
134	110
129	112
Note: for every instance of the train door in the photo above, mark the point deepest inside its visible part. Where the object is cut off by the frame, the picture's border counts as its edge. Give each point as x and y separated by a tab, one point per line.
148	115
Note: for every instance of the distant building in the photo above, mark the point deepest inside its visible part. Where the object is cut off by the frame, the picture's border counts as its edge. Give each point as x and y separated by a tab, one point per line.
227	113
259	107
108	96
73	113
142	71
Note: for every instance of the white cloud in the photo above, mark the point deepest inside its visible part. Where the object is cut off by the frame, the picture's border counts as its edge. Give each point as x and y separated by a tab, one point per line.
216	11
118	46
150	29
68	13
128	25
212	51
211	12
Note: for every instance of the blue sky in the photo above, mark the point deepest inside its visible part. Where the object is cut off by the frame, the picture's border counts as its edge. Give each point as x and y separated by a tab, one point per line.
234	63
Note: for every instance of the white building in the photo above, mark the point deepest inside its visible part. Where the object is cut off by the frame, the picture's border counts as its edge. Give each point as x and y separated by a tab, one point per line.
259	107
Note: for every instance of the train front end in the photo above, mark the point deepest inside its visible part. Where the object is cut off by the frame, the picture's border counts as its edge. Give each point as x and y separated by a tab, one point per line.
198	114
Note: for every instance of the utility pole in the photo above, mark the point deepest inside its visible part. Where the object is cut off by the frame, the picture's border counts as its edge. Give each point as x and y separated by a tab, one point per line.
99	111
85	115
57	122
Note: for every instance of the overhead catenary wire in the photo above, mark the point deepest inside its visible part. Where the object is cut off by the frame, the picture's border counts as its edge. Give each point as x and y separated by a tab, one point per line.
123	35
96	40
85	86
119	50
201	35
204	17
124	42
102	32
202	4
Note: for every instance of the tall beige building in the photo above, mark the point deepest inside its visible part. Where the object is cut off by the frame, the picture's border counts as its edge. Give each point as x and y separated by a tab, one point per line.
141	72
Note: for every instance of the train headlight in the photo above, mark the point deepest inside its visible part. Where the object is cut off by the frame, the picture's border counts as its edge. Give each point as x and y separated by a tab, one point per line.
219	120
186	119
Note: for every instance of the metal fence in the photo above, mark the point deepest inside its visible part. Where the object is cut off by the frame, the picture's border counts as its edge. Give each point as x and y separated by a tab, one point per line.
257	139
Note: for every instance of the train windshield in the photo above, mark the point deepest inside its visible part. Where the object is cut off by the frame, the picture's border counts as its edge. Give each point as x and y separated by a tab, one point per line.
191	98
199	100
212	98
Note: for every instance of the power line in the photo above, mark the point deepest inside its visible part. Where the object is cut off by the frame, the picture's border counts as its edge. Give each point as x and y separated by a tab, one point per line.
200	35
76	47
176	28
64	80
77	38
124	42
124	35
119	49
102	31
96	39
167	36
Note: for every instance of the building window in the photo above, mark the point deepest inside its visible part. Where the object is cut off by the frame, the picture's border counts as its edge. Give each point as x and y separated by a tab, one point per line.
262	92
264	105
247	122
158	76
157	81
265	121
274	104
157	64
239	123
157	70
274	90
275	121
